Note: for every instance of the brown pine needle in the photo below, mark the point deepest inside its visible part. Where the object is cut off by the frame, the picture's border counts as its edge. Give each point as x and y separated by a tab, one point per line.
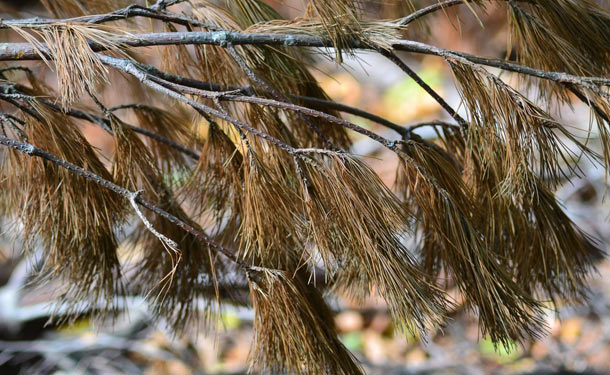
283	304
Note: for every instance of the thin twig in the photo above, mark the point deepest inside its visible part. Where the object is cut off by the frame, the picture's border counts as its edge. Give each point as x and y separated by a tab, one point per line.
418	125
167	242
353	111
404	67
434	8
247	90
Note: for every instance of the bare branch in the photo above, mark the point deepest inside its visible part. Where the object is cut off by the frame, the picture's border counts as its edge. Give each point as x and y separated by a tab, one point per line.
282	105
434	8
405	68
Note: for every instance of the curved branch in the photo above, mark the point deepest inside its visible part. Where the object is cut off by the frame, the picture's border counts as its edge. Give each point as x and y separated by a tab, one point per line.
247	90
422	124
430	9
353	111
156	11
282	105
434	8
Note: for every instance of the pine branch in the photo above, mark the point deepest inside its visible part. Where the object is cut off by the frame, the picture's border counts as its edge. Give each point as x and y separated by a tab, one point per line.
129	67
24	51
282	105
8	91
247	90
34	151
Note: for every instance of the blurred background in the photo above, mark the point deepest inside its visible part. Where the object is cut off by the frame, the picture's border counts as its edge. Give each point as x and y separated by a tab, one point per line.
579	337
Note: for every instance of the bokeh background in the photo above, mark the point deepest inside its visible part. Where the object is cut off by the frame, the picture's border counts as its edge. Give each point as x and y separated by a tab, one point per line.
579	336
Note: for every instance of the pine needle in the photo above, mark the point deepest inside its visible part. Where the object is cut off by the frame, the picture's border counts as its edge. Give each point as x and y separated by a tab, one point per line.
133	166
75	8
294	329
452	242
270	225
508	126
72	219
216	183
356	223
65	47
176	126
340	19
561	36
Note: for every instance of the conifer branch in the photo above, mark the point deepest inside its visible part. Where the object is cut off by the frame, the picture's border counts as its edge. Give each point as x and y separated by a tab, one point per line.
247	90
273	182
150	81
24	51
282	105
34	151
102	122
441	5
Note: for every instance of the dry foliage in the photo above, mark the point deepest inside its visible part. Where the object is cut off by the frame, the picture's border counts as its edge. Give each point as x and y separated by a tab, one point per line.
283	303
273	198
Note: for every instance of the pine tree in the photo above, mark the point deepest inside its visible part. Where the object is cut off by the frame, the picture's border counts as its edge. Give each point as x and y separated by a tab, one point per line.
238	172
